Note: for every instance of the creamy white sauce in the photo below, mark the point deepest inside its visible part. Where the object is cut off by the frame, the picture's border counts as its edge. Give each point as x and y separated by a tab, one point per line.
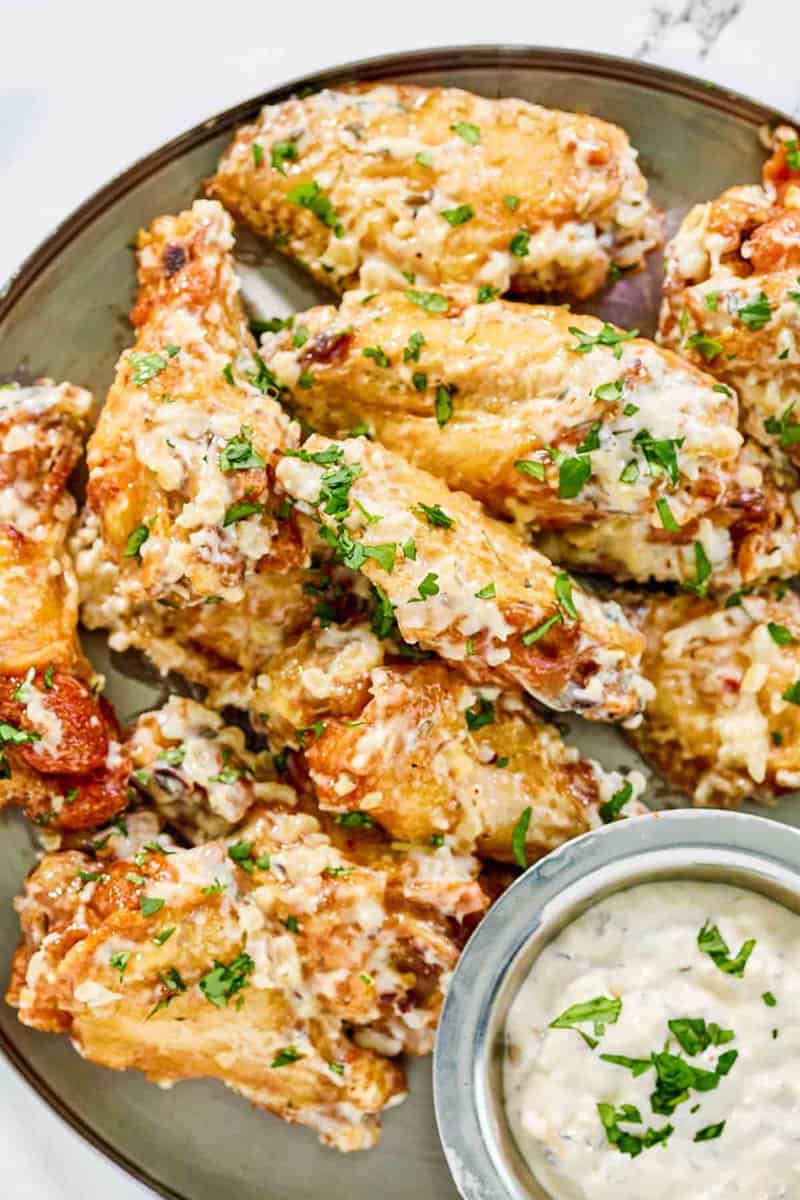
640	946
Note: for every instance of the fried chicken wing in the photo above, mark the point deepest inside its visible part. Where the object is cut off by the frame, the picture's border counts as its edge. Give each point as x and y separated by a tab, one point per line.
180	463
432	760
371	183
552	420
724	724
462	584
752	536
60	756
732	298
247	961
198	772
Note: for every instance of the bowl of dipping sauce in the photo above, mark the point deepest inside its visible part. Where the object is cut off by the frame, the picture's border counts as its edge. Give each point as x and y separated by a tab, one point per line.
625	1022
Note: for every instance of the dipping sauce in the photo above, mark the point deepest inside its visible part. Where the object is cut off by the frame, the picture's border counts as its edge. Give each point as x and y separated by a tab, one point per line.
693	989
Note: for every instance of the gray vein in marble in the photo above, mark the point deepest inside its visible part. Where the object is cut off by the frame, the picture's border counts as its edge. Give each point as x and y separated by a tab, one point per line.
706	18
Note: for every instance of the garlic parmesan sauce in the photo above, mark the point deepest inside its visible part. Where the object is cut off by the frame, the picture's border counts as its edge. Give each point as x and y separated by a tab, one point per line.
694	989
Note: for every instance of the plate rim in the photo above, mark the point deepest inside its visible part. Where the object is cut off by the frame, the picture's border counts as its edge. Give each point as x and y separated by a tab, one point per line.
474	55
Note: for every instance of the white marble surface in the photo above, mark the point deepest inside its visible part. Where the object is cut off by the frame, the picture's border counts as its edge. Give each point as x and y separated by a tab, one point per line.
88	86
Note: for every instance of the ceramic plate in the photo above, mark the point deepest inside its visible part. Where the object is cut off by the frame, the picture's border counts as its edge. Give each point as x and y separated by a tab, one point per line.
65	315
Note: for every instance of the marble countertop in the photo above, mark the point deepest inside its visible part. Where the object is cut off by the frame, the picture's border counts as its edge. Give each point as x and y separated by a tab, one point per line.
89	87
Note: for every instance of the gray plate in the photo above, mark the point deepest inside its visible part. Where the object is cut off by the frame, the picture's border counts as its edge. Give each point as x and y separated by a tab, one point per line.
65	314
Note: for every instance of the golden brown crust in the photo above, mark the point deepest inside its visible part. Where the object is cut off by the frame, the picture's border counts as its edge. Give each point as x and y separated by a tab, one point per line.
441	184
723	725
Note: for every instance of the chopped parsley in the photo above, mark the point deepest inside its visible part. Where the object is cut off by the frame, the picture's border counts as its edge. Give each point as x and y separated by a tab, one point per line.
423	159
709	347
436	515
240	511
355	820
289	1054
792	693
695	1036
165	934
637	1066
519	836
481	714
532	635
573	474
535	469
709	1132
432	302
610	392
520	244
470	133
756	313
612	808
458	215
608	336
238	454
416	341
661	454
702	572
173	756
378	356
630	1143
487	293
258	154
785	426
150	905
712	943
780	635
563	591
312	197
119	961
419	380
511	202
300	336
711	301
667	516
443	405
486	593
601	1011
769	999
429	586
147	366
136	539
281	153
225	980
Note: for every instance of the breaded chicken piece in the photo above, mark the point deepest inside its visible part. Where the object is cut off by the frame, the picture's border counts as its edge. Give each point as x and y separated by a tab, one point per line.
369	184
462	584
752	536
198	772
181	461
60	756
434	761
732	297
724	724
247	961
554	420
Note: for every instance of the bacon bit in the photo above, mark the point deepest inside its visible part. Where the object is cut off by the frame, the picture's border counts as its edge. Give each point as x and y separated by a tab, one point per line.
174	258
327	347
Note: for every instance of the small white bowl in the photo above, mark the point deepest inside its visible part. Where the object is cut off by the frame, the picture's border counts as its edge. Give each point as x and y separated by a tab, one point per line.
723	847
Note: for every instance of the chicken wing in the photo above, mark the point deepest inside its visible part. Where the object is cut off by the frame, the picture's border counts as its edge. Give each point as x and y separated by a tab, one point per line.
752	536
732	297
180	463
724	724
435	761
376	183
552	420
60	753
462	584
247	961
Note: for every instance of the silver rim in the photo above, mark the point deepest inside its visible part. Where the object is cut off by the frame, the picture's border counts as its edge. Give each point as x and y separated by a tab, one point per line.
483	1163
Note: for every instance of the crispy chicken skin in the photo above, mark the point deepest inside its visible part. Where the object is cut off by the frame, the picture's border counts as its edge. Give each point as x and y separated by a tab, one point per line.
60	757
725	721
181	461
279	943
751	537
732	300
431	551
198	772
433	760
370	183
497	398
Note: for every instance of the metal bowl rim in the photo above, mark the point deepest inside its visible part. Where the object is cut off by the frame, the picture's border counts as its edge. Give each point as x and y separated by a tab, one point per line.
541	901
532	57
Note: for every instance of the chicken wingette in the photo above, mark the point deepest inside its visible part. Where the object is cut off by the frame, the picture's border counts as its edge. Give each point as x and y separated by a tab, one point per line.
270	960
462	584
180	463
553	420
732	297
374	184
60	753
724	724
